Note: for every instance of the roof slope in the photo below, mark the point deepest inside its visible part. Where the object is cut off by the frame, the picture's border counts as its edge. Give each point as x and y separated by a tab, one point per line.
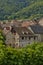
22	31
38	29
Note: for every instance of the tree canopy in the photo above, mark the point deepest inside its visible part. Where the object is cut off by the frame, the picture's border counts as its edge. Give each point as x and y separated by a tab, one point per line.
21	9
30	55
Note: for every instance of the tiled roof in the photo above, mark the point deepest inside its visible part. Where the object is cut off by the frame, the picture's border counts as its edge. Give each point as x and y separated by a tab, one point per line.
28	23
22	31
38	29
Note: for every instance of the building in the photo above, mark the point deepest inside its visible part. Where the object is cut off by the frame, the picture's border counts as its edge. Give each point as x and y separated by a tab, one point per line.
22	37
41	21
10	39
37	29
20	34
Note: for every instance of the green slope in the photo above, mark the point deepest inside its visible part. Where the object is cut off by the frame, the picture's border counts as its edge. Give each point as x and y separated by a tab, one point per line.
20	9
33	11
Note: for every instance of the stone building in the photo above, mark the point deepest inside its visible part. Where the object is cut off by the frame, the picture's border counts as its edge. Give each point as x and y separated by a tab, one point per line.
22	36
37	30
10	39
41	21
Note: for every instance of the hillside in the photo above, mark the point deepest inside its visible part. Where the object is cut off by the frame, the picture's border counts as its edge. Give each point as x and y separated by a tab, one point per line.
21	9
30	12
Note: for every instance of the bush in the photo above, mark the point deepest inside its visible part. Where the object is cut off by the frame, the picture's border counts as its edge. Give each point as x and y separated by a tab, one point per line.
30	55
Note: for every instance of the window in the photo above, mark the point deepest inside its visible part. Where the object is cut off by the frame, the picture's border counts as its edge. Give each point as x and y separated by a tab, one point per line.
22	45
25	33
16	44
29	38
34	38
22	38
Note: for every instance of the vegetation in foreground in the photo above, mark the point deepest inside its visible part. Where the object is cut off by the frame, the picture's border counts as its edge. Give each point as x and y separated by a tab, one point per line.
32	54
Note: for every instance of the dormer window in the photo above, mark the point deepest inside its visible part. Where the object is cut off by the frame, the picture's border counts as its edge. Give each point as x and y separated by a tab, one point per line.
22	32
27	32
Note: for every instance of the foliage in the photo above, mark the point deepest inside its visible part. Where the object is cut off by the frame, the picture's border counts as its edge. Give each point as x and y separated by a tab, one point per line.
30	55
2	38
20	9
35	10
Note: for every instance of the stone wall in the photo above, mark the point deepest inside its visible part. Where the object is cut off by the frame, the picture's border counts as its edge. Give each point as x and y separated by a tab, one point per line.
26	41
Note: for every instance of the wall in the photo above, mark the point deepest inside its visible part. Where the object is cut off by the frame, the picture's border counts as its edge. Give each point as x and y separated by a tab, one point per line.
26	41
10	40
16	40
